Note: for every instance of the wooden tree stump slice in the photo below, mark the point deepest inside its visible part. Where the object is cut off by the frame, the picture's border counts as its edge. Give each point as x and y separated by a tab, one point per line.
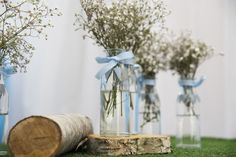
134	144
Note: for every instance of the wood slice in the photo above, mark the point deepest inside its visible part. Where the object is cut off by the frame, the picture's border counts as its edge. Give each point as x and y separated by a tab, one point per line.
134	144
38	136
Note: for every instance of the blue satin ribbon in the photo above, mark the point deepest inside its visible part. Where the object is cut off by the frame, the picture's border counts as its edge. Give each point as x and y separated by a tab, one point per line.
191	83
190	98
126	58
150	82
142	81
6	71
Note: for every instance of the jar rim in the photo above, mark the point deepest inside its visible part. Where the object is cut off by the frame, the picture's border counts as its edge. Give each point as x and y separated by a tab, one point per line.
149	77
113	51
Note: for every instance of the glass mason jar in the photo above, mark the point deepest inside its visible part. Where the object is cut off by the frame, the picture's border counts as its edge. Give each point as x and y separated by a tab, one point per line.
117	98
3	113
188	122
149	107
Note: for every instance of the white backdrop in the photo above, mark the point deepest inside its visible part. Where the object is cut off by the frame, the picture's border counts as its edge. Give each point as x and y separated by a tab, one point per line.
60	78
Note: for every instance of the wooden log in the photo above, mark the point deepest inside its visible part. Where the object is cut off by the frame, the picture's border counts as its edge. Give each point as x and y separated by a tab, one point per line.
39	136
134	144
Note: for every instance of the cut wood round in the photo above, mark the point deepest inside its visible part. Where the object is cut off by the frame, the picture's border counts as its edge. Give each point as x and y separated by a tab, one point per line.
48	136
134	144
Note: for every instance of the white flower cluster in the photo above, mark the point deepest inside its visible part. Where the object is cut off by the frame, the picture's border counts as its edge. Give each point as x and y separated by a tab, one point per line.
187	54
19	21
122	24
154	55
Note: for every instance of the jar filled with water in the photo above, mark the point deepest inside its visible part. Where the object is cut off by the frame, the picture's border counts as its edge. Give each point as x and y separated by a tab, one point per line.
117	98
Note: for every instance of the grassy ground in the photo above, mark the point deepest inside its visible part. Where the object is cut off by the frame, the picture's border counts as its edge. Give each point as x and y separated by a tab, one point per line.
210	148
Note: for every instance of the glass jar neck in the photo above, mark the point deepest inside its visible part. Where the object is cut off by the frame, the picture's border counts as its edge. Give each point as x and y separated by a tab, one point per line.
149	80
150	77
149	84
188	90
113	52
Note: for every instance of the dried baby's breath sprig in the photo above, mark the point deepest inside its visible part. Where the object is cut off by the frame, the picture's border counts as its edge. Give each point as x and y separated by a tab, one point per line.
124	24
187	55
19	21
153	55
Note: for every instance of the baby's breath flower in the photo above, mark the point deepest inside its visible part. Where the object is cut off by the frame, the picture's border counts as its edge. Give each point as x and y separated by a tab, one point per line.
153	55
187	54
19	21
124	24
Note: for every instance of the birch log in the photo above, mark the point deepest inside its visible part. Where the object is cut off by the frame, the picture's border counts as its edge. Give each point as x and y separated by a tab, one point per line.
48	136
134	144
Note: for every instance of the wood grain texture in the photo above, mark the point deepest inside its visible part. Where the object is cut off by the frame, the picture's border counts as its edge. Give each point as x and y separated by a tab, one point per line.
35	137
134	144
38	136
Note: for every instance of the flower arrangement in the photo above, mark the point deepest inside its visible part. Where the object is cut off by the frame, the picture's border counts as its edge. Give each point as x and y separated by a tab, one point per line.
153	56
124	24
187	55
19	21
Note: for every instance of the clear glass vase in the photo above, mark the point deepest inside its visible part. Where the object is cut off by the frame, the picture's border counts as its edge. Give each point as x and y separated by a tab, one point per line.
149	107
117	99
188	119
3	115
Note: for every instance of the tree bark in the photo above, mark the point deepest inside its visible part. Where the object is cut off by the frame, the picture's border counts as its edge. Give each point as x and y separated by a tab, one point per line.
134	144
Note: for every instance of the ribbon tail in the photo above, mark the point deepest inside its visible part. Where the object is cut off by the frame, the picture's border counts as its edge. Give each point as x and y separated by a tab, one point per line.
199	82
102	59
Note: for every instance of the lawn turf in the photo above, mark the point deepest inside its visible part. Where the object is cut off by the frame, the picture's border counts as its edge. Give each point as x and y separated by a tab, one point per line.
210	148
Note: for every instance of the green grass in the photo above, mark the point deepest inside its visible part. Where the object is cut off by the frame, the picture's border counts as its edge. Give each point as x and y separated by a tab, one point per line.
210	148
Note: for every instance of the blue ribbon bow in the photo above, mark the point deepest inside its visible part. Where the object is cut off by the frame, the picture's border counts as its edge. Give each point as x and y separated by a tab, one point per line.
190	98
126	58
